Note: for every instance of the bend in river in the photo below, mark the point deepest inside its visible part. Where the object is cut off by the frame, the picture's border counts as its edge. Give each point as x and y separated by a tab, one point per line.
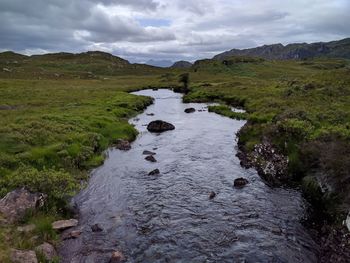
169	217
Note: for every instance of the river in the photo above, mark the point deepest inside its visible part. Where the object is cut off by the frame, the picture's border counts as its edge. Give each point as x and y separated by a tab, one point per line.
169	217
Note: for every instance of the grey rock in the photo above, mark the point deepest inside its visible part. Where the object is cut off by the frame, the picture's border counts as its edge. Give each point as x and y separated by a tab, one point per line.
47	250
16	203
64	224
148	153
26	229
96	228
212	195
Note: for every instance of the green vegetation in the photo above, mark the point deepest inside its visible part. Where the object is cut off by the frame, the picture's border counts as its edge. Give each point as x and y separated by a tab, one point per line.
59	112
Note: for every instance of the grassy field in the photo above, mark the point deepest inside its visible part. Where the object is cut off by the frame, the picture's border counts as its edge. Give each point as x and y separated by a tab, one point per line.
59	112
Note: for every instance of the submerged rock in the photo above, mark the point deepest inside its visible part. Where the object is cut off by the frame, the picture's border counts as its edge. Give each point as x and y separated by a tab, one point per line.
150	114
16	203
72	235
154	172
117	257
123	145
190	110
212	195
64	224
47	250
96	228
23	256
151	159
240	182
148	153
160	126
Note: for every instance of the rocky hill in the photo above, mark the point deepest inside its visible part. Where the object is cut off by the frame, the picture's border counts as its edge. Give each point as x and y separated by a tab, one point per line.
182	64
334	49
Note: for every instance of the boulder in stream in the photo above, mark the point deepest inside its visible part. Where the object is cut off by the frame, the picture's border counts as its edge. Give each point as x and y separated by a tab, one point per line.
151	159
190	110
160	126
154	172
48	251
240	182
212	195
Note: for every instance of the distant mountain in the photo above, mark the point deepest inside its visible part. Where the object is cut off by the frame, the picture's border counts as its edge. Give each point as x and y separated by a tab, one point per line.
159	63
182	64
334	49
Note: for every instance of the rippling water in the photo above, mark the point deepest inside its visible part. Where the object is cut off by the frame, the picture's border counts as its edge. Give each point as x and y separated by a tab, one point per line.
169	218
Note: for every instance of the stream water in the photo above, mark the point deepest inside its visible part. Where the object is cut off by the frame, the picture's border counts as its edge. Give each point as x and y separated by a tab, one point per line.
170	218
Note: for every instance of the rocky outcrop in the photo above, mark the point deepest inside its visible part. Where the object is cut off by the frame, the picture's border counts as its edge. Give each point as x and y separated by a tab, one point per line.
64	224
160	126
16	203
123	145
47	250
190	110
23	256
240	182
182	64
269	163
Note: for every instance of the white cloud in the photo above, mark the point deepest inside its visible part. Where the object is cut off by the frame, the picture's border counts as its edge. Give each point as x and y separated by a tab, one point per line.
196	28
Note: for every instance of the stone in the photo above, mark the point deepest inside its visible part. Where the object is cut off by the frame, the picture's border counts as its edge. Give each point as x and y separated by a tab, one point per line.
212	195
123	145
154	172
117	257
151	159
96	228
47	250
150	114
64	224
26	229
23	256
240	182
148	153
72	235
190	110
16	203
160	126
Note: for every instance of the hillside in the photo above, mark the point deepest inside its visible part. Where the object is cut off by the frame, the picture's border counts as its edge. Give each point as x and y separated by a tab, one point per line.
182	64
334	49
87	65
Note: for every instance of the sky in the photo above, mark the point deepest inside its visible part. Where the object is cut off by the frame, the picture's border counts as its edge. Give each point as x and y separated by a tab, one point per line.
139	30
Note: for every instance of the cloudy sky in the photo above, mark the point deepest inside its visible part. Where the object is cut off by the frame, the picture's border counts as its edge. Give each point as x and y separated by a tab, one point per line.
139	30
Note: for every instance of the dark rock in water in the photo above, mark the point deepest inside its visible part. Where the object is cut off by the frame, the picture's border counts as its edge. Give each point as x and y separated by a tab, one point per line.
151	158
96	228
154	172
240	182
150	114
154	149
160	126
190	110
117	257
212	195
148	153
123	145
16	203
155	89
